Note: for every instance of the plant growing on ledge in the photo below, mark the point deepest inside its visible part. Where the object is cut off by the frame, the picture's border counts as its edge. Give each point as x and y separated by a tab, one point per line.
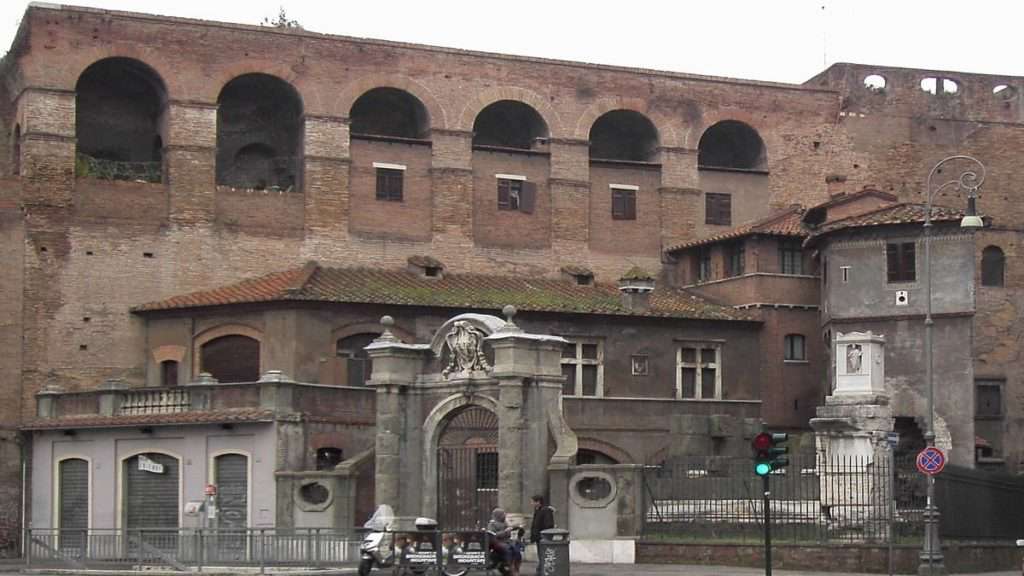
281	21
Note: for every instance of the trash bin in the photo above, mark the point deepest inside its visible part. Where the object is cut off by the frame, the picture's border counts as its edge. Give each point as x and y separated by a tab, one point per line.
554	552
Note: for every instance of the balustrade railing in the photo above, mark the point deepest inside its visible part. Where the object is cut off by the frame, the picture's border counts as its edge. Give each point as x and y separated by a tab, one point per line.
161	401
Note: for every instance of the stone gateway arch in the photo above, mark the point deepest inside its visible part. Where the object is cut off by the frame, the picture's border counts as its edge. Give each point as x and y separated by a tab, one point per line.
470	421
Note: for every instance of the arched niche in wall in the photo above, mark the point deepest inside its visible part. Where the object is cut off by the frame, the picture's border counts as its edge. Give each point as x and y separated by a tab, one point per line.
731	144
623	135
510	124
119	117
259	133
389	112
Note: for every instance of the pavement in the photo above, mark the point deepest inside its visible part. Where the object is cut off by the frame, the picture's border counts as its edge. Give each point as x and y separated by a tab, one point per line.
528	569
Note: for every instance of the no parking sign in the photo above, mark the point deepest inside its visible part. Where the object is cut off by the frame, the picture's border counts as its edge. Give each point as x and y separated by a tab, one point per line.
931	461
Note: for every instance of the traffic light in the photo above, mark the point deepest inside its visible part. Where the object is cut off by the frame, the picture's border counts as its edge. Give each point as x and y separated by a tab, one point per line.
769	452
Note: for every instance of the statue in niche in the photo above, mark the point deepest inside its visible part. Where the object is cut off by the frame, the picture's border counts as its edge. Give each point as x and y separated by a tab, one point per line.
853	358
465	349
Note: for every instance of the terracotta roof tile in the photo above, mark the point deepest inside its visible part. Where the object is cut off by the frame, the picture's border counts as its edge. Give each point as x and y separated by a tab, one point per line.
903	213
474	291
784	223
177	418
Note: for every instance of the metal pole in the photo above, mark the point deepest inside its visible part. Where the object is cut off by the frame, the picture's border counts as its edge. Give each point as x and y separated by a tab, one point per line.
767	527
969	179
892	501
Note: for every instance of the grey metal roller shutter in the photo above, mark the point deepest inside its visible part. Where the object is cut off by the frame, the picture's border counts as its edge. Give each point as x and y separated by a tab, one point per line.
73	507
232	478
150	498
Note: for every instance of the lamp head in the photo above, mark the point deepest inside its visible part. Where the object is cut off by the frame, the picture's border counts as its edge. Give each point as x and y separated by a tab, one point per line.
971	219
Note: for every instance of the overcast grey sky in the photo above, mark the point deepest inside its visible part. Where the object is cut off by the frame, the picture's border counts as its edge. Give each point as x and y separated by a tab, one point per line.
779	40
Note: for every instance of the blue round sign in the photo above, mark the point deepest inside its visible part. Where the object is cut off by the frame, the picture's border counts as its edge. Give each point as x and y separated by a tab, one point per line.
931	461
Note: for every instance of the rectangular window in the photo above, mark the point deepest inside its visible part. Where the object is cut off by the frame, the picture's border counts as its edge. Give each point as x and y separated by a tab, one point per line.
583	367
734	259
515	193
699	371
988	399
389	182
703	263
791	257
900	262
486	470
624	202
509	192
718	209
795	345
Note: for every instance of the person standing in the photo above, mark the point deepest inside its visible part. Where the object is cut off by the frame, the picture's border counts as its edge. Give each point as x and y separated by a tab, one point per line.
543	518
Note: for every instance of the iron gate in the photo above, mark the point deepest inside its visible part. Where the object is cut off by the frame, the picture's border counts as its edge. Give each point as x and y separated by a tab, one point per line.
467	469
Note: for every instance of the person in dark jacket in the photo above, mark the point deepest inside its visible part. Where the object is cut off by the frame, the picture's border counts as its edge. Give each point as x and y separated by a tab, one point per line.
543	518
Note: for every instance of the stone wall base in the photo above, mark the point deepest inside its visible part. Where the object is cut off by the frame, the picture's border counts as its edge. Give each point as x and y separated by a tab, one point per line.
959	558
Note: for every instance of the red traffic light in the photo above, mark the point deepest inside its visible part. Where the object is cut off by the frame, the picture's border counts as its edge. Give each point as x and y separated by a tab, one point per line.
762	441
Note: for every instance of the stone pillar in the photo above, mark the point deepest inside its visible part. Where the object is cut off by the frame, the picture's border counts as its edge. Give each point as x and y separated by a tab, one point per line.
527	366
325	175
48	146
396	366
111	393
570	196
190	151
680	195
452	182
850	434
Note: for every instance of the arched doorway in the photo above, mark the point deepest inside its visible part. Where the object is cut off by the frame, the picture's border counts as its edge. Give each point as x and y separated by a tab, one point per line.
467	468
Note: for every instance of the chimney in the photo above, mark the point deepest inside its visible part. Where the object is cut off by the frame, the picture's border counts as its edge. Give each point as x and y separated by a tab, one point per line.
636	287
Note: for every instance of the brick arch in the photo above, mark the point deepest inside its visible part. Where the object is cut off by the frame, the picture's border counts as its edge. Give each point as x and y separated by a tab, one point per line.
712	117
663	124
498	93
620	455
354	328
342	105
282	73
163	70
224	330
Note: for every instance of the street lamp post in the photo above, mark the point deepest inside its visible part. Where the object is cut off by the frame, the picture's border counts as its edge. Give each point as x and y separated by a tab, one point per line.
968	179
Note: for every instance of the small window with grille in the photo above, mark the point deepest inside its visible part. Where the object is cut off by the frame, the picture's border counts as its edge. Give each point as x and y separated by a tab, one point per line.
390	181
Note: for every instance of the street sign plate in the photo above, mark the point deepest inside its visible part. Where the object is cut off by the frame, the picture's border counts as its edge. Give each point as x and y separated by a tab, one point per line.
893	438
931	461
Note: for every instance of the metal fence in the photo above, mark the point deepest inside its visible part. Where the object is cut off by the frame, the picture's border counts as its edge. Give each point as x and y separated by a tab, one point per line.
89	167
813	500
183	549
979	505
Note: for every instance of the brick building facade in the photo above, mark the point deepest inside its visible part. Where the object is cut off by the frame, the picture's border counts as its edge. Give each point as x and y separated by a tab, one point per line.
151	157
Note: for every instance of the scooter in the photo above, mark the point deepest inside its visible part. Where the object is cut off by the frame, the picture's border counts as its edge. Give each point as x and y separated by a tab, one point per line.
377	549
496	560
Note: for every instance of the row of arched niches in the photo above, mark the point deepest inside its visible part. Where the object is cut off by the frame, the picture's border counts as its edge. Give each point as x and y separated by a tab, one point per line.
121	102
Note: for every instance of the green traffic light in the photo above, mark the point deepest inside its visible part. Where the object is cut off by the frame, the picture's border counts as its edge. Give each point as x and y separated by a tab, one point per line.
762	468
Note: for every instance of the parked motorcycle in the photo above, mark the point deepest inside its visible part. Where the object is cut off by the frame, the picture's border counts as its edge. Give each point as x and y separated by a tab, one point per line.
377	549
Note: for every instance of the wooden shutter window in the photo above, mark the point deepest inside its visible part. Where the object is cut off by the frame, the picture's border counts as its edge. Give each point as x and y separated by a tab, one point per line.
527	197
623	204
718	209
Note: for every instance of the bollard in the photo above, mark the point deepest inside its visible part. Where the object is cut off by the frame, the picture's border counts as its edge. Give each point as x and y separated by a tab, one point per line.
554	553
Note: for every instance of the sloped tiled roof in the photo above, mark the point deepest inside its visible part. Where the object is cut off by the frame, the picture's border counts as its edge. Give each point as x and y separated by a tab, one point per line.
902	213
313	283
176	418
784	223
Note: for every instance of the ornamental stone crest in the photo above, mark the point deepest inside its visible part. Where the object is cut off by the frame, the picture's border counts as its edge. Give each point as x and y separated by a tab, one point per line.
465	349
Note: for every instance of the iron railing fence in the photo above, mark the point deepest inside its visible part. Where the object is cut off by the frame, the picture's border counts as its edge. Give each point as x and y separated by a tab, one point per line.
88	167
979	504
187	548
813	500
